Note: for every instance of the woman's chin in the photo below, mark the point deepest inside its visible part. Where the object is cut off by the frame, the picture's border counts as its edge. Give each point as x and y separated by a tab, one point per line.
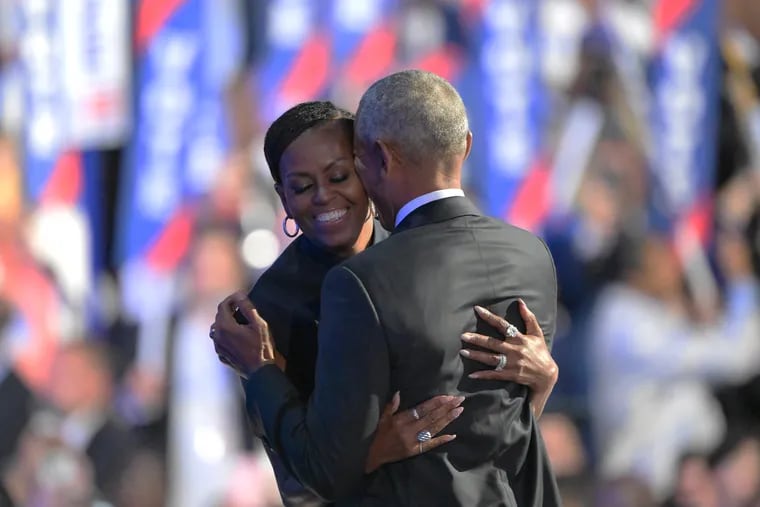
341	243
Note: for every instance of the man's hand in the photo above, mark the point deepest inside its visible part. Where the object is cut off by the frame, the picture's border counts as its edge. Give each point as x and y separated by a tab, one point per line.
244	346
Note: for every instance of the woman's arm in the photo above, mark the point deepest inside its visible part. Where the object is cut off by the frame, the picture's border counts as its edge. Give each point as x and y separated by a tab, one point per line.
528	361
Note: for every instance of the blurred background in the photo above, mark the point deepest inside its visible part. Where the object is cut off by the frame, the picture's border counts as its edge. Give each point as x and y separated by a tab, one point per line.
134	196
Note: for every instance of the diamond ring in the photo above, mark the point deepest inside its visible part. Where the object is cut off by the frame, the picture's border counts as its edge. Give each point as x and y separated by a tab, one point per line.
502	362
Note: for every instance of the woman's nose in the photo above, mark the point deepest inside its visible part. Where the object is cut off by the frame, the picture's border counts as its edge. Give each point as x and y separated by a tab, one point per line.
322	195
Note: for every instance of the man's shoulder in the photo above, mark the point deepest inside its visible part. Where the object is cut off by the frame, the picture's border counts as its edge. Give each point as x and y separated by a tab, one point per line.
369	259
513	238
510	231
485	228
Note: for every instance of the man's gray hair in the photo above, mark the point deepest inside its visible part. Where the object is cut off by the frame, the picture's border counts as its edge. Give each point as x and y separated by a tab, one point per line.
419	111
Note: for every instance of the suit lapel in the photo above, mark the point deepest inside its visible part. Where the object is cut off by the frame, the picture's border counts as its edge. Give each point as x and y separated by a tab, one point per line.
438	211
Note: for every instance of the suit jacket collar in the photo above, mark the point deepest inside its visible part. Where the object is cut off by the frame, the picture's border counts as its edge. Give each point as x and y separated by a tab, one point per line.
438	211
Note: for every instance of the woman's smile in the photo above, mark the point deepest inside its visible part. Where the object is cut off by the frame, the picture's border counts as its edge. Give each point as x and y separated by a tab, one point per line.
332	216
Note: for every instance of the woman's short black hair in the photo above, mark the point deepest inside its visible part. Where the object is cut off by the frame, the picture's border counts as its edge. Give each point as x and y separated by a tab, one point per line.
294	122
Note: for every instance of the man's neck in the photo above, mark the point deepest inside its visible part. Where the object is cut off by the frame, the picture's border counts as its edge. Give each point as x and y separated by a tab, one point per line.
422	181
424	199
411	190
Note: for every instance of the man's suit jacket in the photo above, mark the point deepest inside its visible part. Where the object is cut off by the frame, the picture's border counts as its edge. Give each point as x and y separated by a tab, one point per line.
391	321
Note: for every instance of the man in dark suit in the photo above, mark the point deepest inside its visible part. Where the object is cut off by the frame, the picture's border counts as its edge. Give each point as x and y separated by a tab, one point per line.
391	321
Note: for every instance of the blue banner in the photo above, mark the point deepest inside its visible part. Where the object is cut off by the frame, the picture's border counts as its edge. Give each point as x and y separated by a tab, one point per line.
43	128
363	40
181	137
685	78
296	62
513	98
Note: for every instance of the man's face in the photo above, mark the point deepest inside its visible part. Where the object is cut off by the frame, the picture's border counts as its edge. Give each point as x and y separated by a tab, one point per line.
368	164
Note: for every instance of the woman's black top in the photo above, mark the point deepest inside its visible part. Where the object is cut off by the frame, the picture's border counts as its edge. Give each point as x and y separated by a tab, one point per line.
287	296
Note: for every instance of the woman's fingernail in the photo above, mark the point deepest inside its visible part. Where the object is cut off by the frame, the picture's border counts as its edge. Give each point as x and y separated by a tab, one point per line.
479	309
474	375
459	399
466	337
465	353
458	411
519	300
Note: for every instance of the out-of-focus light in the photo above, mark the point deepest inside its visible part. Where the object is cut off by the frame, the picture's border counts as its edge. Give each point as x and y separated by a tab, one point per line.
208	444
58	236
260	248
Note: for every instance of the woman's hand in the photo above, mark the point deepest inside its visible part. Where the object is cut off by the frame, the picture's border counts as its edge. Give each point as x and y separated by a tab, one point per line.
528	361
396	436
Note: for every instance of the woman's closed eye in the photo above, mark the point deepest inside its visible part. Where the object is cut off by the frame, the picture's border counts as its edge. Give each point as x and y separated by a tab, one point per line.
338	178
300	189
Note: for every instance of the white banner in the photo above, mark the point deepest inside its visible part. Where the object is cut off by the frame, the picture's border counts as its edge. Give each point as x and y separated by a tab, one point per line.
96	64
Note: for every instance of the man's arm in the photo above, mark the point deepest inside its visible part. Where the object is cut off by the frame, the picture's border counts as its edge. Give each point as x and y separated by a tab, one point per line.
326	443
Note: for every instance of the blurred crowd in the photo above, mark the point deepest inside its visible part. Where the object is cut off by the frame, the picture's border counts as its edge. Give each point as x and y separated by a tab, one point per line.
113	395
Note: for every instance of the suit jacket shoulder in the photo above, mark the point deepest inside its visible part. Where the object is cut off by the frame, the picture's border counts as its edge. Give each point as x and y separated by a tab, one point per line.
503	247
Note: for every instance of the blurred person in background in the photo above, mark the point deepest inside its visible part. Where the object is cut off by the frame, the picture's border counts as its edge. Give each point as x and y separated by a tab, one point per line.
73	444
28	288
568	456
309	151
624	491
45	471
653	365
81	391
727	477
737	469
695	484
599	187
205	425
16	399
738	175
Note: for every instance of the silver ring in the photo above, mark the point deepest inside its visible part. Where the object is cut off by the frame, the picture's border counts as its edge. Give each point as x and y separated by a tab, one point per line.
511	330
415	414
423	436
502	362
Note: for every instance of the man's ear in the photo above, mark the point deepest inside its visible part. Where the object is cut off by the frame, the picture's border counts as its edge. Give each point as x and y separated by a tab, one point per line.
468	146
386	157
281	192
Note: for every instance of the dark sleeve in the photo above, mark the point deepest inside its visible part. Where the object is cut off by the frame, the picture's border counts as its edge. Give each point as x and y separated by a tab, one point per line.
326	443
291	491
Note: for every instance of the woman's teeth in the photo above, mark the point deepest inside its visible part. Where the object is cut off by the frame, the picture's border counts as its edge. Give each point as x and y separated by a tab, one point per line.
332	215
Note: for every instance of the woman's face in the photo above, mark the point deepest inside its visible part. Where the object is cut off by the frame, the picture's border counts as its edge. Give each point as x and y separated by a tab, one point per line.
321	191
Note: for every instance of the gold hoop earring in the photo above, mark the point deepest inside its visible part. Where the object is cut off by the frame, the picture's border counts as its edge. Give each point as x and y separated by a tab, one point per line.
285	228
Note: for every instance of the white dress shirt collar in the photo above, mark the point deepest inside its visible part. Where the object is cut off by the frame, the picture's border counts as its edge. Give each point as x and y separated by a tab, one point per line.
425	199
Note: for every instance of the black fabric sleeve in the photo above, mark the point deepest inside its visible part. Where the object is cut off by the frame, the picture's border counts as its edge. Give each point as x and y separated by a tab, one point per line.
326	443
